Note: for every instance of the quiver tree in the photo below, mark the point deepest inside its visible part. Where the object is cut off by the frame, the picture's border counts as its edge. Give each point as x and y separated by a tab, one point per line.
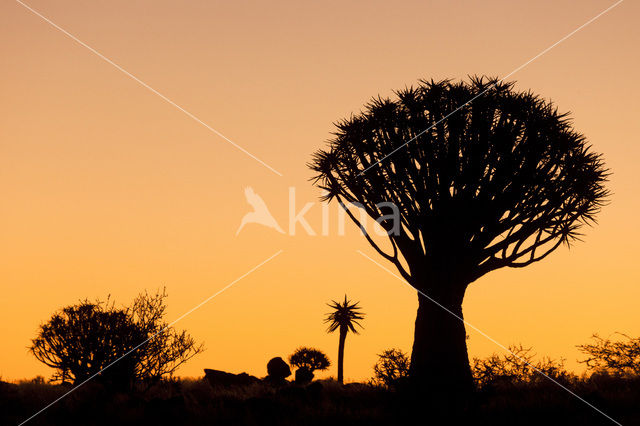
501	181
344	317
119	346
308	360
81	340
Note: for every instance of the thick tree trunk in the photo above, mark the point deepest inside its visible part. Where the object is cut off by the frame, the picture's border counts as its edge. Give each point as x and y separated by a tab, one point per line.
439	361
343	337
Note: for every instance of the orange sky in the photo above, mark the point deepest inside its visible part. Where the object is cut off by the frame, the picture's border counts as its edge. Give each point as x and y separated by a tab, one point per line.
108	189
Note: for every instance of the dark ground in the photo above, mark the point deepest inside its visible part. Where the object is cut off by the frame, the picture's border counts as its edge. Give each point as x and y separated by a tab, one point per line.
195	402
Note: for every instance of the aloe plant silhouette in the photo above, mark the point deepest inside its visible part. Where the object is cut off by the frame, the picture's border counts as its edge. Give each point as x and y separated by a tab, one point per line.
344	318
483	177
308	360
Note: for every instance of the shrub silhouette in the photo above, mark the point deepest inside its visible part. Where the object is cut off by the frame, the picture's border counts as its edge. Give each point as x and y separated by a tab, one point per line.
344	318
391	368
84	339
308	360
466	178
516	366
167	348
613	357
278	370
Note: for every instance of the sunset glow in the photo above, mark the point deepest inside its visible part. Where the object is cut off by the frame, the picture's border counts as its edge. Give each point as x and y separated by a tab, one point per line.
109	189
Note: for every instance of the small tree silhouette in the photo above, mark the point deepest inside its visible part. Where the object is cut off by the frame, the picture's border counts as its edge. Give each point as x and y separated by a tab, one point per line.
83	339
308	360
391	368
169	348
344	318
516	366
481	177
616	357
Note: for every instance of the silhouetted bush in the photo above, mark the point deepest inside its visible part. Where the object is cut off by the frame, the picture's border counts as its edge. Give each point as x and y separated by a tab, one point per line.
129	344
308	360
391	368
613	357
278	370
167	348
517	366
82	339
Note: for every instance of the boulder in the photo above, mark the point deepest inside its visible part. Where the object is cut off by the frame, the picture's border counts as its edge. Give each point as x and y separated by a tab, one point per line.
217	378
278	371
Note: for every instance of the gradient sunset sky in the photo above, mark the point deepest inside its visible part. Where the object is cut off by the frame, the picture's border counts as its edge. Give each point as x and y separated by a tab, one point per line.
107	189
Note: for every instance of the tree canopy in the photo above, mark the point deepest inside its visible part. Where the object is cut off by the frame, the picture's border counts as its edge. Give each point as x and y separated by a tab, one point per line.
500	181
309	358
129	343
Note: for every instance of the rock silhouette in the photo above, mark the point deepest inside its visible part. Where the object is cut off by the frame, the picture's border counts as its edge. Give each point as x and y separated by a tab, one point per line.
217	378
278	370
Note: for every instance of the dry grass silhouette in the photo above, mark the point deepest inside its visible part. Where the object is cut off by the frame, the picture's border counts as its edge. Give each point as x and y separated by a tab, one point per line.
194	402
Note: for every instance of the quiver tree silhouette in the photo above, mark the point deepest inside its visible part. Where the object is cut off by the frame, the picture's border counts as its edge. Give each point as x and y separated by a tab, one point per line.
308	360
499	181
344	317
81	340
